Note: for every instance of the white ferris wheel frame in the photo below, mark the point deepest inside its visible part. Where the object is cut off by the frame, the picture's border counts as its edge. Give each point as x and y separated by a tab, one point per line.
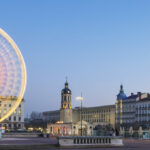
24	74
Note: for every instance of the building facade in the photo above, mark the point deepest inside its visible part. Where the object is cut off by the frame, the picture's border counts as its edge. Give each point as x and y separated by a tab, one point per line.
125	108
51	116
132	111
143	111
16	120
99	115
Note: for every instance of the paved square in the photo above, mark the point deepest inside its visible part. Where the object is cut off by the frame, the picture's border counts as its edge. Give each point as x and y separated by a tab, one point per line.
47	144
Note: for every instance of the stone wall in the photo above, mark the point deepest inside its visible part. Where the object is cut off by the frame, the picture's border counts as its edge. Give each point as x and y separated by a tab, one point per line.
20	135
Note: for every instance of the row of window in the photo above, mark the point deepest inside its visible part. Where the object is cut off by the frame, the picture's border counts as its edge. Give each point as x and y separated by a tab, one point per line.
14	118
9	105
95	112
132	107
143	112
5	111
95	116
97	120
143	119
128	121
12	126
143	105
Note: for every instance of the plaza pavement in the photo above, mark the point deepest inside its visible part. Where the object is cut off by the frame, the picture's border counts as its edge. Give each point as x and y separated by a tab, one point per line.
49	144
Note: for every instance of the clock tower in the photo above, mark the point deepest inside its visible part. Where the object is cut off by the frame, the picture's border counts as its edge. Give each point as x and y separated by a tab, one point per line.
66	107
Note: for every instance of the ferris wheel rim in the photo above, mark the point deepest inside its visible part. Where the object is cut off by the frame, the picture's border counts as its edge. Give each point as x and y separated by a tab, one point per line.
24	73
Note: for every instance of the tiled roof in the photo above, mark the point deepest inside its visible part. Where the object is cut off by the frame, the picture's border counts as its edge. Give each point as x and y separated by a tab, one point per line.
132	96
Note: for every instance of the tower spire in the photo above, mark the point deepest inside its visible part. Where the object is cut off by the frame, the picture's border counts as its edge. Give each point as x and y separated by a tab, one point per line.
66	83
121	88
66	79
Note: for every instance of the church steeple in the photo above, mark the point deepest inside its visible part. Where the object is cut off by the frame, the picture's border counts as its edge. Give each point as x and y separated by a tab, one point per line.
66	107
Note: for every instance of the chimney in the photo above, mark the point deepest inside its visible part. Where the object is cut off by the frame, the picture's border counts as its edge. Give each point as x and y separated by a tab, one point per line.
139	95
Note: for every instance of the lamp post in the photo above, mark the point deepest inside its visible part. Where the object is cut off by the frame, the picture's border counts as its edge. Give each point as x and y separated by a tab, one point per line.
0	132
74	129
80	99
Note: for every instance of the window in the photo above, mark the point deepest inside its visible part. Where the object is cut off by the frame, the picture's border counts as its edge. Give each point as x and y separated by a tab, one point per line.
15	126
19	126
5	111
19	118
19	111
14	118
51	129
9	118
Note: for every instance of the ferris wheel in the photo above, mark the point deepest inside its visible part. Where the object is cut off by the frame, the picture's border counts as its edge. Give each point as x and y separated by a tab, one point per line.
12	74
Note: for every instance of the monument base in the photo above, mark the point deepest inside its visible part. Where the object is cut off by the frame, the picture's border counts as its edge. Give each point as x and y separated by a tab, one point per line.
93	141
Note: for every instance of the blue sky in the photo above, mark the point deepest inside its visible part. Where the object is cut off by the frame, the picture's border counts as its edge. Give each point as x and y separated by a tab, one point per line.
98	44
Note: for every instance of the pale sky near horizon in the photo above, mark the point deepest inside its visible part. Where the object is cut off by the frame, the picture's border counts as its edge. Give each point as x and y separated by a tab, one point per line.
97	44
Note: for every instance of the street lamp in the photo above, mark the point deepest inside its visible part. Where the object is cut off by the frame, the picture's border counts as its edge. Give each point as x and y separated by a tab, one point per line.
80	98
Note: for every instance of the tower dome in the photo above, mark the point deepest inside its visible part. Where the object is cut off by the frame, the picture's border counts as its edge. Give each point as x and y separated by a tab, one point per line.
121	94
66	90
